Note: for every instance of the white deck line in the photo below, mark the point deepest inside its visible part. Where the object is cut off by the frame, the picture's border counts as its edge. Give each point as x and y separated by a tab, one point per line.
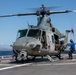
5	68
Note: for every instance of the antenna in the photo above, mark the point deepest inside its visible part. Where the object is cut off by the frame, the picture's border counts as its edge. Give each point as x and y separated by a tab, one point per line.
28	24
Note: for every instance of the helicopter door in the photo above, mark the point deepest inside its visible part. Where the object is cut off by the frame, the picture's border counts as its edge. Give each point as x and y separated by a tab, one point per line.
50	41
43	40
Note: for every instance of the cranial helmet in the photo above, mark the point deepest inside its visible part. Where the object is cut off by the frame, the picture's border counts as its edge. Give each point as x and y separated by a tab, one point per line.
71	40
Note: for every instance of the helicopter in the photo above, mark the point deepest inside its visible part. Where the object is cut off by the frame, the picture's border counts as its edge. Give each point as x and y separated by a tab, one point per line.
41	40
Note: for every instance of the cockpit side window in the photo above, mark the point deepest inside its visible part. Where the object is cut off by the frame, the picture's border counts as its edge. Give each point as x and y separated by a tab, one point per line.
52	39
22	33
56	39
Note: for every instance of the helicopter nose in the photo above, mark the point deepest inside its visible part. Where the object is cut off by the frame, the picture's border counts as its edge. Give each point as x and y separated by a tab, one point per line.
27	44
33	45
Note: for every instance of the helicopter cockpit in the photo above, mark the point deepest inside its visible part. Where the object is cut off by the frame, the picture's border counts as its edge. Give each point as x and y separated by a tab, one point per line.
29	33
22	33
34	33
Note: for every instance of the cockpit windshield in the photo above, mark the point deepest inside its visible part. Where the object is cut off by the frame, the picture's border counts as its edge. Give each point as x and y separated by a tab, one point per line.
34	33
22	33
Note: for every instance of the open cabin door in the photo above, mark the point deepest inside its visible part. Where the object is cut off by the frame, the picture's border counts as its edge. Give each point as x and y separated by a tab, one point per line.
50	41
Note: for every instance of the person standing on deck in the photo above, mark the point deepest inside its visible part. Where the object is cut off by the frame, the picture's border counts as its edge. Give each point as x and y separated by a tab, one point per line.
72	49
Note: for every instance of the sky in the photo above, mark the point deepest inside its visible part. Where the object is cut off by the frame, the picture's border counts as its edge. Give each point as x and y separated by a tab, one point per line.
10	25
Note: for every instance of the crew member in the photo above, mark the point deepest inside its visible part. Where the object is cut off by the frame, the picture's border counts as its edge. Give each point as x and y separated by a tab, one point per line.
72	49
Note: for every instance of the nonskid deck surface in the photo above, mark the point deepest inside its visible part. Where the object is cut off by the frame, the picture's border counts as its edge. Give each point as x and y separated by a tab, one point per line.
40	66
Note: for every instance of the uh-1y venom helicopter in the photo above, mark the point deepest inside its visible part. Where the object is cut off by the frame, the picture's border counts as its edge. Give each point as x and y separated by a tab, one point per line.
41	40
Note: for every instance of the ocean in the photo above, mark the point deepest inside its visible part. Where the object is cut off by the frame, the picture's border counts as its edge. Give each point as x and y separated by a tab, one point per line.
5	53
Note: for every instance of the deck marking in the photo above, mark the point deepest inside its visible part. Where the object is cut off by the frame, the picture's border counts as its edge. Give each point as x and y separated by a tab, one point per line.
67	63
5	64
5	68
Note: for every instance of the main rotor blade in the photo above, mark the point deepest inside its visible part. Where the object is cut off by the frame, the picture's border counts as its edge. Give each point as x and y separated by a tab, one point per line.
74	10
57	12
18	15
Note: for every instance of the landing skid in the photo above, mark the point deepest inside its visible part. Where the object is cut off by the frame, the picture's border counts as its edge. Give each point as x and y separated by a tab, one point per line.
50	58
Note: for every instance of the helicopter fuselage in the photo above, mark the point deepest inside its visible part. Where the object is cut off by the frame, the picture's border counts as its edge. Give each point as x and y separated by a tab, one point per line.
34	42
37	40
